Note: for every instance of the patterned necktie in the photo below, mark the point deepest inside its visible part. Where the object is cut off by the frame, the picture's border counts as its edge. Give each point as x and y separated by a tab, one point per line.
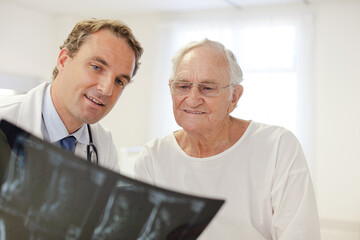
68	143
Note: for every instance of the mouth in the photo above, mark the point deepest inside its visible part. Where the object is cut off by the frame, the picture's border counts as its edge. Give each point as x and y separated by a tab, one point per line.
193	112
94	100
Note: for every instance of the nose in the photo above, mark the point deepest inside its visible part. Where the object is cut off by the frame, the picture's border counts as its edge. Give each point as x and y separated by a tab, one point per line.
105	86
194	97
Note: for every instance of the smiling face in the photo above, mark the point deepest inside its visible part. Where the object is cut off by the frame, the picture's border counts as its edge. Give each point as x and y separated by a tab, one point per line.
194	112
89	84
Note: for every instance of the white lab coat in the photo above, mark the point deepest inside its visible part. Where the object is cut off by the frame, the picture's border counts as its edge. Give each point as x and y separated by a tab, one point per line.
25	111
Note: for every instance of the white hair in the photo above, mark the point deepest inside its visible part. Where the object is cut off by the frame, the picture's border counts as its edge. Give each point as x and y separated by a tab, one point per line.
236	75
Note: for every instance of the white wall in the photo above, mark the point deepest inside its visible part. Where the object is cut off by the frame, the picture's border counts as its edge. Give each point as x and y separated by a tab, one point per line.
338	116
26	44
29	43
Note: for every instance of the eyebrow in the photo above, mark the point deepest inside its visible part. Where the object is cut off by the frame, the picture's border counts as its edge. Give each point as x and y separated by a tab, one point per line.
204	81
103	62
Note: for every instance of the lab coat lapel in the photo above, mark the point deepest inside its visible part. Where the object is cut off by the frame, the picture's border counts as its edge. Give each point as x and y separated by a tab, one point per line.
30	116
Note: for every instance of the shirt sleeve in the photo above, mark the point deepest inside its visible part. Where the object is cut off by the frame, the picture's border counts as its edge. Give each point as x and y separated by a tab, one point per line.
295	214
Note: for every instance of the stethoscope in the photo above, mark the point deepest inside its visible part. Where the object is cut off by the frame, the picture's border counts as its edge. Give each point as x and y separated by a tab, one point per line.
91	151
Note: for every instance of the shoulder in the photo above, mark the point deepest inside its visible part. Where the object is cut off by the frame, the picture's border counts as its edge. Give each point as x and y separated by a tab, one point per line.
158	148
11	101
161	143
268	132
268	139
282	144
16	100
11	107
152	157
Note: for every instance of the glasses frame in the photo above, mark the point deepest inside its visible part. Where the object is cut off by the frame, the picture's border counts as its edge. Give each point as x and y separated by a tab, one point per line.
171	84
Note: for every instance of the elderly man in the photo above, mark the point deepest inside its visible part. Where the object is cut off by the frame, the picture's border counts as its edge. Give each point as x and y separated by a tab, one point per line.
260	170
95	63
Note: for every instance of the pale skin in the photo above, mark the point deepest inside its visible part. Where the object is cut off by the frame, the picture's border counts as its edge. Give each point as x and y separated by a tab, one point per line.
208	128
89	84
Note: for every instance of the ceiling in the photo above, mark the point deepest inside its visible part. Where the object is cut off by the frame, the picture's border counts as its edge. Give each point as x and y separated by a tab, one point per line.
122	7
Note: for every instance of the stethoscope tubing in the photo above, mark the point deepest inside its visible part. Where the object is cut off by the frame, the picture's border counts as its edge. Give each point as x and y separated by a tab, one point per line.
91	144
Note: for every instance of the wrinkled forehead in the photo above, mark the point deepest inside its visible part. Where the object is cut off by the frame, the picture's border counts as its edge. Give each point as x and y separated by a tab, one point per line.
203	63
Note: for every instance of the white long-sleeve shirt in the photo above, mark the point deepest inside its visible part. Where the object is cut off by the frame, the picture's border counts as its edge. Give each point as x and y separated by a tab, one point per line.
263	177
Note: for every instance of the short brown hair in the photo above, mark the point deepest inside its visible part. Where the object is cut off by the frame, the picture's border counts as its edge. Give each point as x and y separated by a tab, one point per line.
85	28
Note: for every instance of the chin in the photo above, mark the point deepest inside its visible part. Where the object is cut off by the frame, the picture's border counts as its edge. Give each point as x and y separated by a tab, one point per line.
191	128
90	120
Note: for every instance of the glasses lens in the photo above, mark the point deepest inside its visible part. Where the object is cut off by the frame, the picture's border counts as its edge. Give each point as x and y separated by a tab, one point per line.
208	89
181	87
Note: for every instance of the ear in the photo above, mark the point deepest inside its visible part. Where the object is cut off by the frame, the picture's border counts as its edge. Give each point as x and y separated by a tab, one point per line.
62	58
236	95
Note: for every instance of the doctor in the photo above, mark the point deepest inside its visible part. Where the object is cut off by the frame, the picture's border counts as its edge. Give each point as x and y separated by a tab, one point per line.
96	62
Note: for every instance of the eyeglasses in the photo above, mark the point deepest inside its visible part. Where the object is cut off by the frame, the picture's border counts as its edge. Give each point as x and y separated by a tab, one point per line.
206	89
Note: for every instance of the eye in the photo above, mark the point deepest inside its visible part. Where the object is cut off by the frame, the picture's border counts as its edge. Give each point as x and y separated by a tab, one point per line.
120	82
208	87
182	85
95	67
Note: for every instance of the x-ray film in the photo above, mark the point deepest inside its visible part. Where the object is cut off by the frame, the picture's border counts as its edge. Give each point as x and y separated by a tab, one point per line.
48	193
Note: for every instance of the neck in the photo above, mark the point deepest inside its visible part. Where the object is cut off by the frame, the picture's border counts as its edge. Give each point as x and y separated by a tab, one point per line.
212	142
71	124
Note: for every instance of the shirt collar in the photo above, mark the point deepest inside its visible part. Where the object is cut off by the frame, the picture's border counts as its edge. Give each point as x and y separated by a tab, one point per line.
54	126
